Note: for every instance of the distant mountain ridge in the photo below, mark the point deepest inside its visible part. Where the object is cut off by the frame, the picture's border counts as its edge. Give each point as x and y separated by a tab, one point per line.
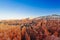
49	17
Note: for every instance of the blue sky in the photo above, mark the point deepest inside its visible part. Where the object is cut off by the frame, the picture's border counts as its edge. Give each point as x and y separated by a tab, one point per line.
10	9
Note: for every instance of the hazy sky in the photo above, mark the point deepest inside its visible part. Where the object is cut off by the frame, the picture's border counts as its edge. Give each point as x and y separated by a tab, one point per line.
26	8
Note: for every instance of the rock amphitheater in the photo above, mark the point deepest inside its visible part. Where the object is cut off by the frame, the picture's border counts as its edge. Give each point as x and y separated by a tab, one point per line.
43	28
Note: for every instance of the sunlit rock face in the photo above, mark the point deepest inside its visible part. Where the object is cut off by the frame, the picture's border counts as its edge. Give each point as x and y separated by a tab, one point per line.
40	28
